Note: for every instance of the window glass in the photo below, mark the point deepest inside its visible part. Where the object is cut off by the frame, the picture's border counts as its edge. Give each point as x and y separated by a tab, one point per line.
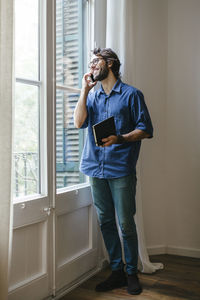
70	33
27	39
26	146
27	100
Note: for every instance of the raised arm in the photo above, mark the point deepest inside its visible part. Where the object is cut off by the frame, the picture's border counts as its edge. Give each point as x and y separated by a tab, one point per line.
80	112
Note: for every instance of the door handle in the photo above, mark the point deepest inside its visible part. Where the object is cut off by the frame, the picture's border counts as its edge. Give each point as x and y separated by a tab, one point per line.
48	210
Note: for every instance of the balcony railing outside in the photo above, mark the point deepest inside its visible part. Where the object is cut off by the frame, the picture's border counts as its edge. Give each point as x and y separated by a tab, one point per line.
26	174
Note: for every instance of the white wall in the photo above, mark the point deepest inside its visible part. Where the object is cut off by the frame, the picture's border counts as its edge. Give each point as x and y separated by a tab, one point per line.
150	77
168	72
183	124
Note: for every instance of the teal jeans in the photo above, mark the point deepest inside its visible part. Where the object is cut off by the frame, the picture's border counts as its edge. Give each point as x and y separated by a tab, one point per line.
117	194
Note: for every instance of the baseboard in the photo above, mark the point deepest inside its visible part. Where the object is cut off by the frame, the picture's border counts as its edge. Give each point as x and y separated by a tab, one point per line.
173	250
156	250
190	252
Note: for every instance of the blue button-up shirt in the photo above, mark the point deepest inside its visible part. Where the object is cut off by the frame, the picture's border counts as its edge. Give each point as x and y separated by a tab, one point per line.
128	107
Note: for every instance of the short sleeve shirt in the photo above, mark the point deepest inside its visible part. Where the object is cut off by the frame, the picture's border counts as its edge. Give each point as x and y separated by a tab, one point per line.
130	112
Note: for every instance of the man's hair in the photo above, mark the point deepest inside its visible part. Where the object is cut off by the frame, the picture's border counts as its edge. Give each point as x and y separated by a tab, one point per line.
109	56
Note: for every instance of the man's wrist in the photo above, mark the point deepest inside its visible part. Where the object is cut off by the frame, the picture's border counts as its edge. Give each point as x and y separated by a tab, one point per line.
120	139
84	91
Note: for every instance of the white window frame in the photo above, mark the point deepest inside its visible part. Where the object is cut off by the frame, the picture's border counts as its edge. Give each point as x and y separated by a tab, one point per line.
90	45
41	83
48	91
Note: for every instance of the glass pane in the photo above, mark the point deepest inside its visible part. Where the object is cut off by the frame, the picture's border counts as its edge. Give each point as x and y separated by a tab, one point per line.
69	141
69	47
26	140
69	70
27	39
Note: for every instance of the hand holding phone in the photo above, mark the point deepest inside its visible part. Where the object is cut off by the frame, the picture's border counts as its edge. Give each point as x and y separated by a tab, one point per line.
88	81
91	79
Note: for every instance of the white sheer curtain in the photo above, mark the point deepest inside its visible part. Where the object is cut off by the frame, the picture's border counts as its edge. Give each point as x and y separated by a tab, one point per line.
121	34
6	81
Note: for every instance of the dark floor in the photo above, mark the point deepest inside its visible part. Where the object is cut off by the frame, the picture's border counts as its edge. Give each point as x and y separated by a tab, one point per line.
180	279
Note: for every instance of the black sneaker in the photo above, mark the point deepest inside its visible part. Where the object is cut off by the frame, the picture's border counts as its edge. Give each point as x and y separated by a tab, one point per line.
134	286
116	280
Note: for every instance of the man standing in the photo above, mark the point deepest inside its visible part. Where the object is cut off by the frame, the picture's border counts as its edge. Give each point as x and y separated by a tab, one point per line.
112	167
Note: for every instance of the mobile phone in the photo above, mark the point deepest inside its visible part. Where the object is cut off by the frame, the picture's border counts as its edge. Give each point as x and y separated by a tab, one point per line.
92	77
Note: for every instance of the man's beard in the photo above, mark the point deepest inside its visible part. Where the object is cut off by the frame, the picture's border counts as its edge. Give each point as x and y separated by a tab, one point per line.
103	73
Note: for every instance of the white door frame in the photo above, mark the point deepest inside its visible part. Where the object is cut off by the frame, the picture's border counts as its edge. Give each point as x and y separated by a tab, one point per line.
39	215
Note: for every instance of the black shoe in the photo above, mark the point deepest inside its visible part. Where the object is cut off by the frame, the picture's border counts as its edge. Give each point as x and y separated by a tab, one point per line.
134	287
116	280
